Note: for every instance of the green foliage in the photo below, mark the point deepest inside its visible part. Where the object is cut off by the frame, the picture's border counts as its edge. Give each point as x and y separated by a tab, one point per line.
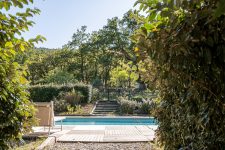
127	106
57	76
95	95
137	98
60	105
67	101
143	95
16	111
50	66
123	75
70	108
184	42
88	58
136	106
146	106
79	110
46	93
97	82
73	97
32	143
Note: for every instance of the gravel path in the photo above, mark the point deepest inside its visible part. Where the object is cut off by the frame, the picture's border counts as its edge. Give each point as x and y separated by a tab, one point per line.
101	146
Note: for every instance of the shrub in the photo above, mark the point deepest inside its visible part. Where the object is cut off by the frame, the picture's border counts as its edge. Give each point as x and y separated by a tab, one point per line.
60	105
46	93
73	97
95	94
137	98
128	106
70	109
146	106
66	101
78	109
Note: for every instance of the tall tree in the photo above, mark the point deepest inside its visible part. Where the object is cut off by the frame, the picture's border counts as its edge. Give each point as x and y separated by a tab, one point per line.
78	43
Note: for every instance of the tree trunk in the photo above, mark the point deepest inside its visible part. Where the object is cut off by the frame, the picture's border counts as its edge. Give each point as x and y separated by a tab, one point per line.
82	66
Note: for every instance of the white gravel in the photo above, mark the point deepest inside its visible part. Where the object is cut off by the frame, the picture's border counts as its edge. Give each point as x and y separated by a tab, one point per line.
102	146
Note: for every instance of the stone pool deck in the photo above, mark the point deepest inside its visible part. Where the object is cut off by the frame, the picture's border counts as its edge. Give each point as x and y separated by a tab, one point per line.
101	133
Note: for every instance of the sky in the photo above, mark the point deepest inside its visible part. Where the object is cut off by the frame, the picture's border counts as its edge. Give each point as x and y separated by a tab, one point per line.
59	19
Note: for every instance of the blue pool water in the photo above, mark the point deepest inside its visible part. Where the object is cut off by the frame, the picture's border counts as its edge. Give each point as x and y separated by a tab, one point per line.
107	121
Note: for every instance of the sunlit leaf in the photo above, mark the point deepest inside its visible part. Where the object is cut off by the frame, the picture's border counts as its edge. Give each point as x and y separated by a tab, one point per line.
9	45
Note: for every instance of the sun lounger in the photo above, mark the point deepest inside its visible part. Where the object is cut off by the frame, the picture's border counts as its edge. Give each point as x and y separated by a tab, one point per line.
45	114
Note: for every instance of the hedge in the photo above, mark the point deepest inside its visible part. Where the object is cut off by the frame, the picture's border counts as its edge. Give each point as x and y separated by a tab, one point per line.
186	52
46	93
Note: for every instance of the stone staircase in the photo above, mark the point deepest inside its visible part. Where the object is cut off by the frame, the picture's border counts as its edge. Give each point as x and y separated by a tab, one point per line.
105	108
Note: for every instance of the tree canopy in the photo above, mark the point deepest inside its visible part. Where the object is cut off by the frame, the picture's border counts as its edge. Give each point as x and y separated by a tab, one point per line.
88	57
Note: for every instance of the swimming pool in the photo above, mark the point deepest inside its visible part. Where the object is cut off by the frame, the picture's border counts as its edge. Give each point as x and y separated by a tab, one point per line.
106	121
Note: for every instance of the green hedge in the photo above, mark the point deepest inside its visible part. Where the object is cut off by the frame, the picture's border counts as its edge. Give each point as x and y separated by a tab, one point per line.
46	93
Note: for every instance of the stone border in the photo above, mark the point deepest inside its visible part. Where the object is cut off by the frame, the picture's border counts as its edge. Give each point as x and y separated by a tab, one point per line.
94	108
114	116
51	140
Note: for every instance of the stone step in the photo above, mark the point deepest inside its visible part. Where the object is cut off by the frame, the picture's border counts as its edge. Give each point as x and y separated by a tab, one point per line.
103	112
113	106
100	110
106	107
107	101
107	104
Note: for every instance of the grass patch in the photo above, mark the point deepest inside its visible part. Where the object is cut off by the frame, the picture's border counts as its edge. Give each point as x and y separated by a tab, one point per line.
31	144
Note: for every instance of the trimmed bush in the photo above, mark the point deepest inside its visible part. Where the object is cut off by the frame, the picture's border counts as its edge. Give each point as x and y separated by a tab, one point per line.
46	93
128	106
133	106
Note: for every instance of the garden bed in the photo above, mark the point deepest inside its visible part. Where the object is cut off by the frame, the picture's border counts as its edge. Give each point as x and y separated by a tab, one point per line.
84	109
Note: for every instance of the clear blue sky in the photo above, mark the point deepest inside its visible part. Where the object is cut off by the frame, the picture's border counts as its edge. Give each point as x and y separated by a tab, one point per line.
59	19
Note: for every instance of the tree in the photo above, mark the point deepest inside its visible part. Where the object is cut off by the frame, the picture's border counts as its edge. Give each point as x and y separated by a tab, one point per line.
184	41
16	110
123	75
78	43
89	57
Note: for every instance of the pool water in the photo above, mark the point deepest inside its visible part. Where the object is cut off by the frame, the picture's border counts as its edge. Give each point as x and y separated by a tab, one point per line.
107	121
